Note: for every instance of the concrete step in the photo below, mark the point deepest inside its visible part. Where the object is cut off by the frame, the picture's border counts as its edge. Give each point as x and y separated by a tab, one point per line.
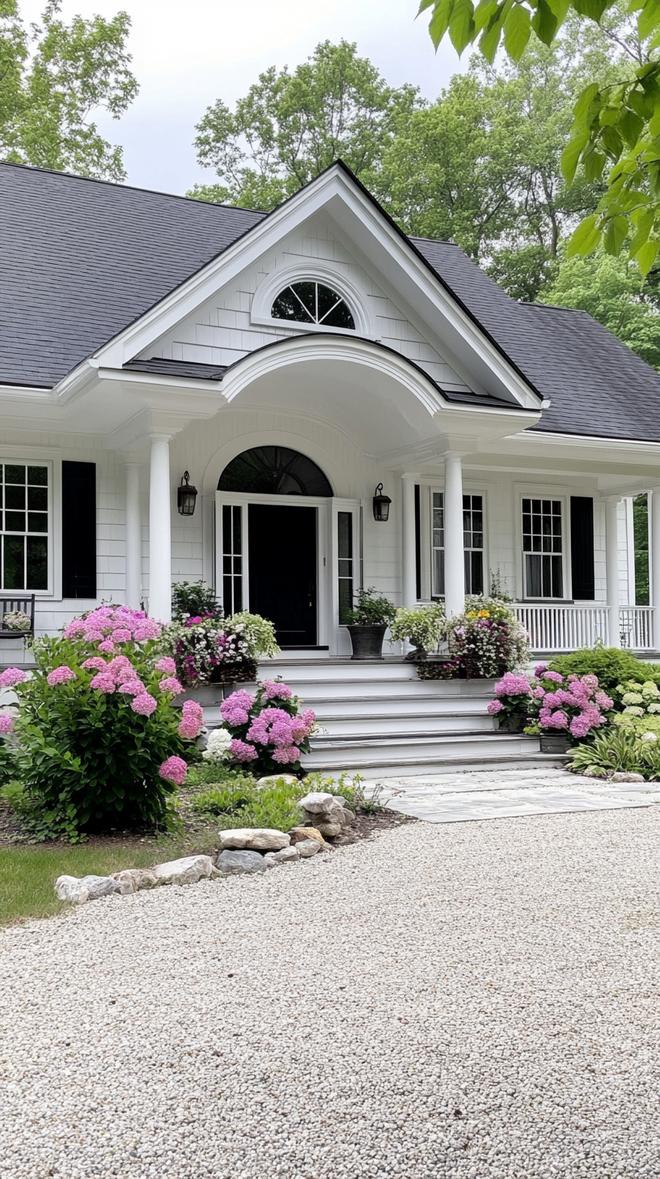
430	748
409	768
406	704
362	726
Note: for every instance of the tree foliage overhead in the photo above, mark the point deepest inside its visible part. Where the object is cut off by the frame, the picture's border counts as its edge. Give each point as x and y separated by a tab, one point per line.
616	128
54	77
482	165
613	292
292	125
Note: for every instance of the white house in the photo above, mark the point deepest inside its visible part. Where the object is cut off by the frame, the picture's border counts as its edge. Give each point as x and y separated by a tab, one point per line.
292	363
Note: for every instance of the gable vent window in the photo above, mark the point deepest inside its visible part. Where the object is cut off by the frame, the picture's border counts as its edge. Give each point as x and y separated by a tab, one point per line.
313	302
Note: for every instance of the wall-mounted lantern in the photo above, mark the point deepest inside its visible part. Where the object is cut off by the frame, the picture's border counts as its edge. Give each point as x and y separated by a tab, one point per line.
186	496
381	505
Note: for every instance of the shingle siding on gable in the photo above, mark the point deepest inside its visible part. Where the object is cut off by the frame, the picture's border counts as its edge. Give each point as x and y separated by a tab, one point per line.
222	331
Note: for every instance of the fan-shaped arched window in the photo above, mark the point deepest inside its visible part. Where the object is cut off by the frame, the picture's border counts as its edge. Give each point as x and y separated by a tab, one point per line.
274	470
313	302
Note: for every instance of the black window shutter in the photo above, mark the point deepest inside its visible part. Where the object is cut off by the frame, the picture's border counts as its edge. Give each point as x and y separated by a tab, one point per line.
418	543
582	547
78	530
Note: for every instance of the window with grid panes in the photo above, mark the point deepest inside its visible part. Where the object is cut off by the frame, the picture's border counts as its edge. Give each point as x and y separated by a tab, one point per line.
543	548
473	544
23	526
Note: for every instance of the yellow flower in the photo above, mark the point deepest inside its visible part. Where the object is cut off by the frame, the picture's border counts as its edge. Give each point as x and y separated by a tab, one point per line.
484	614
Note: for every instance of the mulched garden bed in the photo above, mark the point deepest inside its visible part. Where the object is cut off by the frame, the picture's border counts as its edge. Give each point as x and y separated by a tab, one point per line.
195	829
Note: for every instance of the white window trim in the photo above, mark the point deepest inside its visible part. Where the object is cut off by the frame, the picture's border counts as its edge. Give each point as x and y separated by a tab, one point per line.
273	284
54	533
426	528
529	491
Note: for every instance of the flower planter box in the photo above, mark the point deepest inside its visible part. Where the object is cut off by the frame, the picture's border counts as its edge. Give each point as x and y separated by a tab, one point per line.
554	743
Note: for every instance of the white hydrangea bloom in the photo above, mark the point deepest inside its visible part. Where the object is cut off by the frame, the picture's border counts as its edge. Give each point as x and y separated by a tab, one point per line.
635	711
632	698
649	736
654	708
217	744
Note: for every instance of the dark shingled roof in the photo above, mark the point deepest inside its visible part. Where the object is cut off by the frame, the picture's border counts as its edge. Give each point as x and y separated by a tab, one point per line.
164	367
81	259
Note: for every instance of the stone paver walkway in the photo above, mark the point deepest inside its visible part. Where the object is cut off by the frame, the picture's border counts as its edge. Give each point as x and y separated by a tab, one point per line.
500	794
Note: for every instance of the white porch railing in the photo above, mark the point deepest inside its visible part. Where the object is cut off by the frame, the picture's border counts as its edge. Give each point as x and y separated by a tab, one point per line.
570	628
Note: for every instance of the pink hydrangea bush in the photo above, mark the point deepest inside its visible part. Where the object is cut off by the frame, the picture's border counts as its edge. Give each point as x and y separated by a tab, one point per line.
573	704
511	705
269	729
102	741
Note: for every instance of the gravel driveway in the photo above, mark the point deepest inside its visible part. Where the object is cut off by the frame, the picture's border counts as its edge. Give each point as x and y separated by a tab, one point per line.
473	1001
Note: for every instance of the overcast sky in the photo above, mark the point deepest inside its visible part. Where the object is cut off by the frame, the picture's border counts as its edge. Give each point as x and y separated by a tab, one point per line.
187	53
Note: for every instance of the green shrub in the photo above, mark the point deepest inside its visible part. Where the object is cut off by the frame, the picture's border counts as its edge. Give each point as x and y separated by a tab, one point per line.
8	762
616	750
238	801
612	666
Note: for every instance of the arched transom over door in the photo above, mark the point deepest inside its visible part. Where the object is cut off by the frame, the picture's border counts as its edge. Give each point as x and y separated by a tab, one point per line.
285	546
274	470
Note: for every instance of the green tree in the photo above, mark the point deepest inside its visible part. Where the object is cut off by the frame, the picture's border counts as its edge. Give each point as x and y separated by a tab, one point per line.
613	292
291	125
54	77
483	166
616	127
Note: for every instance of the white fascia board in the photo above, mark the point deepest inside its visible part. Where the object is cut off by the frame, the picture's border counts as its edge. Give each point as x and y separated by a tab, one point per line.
621	446
249	248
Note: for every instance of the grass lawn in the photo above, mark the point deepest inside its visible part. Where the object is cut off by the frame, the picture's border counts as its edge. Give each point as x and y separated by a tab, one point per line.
28	872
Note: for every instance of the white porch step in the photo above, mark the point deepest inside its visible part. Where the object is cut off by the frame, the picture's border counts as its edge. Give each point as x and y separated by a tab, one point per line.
364	725
406	704
420	753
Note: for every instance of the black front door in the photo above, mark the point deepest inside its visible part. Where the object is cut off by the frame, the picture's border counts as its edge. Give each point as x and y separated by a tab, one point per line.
282	564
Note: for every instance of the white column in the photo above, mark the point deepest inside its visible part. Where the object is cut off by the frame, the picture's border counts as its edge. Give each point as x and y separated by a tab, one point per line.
160	530
409	550
654	562
454	560
612	569
133	537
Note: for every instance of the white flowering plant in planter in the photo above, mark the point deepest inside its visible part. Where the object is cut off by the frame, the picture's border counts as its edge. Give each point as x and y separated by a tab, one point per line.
423	626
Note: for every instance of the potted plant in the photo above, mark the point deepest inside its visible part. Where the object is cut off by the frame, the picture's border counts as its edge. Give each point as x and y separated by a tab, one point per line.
423	626
513	702
368	622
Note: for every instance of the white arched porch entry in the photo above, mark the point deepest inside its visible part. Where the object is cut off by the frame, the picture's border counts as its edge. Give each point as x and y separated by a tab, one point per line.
295	553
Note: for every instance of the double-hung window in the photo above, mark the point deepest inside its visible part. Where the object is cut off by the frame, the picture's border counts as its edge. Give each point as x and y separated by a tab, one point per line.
24	519
473	543
543	544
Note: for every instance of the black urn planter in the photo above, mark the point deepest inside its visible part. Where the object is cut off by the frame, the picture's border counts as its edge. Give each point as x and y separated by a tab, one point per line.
367	640
554	743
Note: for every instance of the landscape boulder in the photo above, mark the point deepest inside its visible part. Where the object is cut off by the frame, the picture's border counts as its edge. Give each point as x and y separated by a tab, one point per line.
234	863
273	779
253	839
299	834
308	847
285	856
77	889
188	870
132	880
320	803
328	813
